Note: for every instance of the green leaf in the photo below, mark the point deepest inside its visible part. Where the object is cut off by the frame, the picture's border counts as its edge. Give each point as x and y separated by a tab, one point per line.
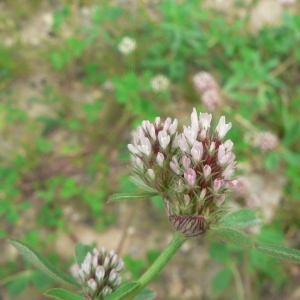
123	290
62	294
221	280
18	286
269	234
43	145
219	252
141	184
158	202
41	280
291	158
145	294
232	236
271	160
134	266
240	219
130	196
39	261
279	252
3	233
81	251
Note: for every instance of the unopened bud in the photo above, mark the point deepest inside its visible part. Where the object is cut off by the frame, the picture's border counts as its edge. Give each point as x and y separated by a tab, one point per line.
206	171
187	199
160	159
151	174
92	284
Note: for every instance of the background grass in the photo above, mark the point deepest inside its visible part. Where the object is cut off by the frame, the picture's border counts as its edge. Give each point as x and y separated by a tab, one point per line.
69	100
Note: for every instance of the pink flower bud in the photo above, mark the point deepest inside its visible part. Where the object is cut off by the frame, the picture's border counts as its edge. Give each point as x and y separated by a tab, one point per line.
202	194
151	174
180	185
145	146
197	151
133	149
160	159
186	162
187	199
222	156
218	183
173	127
206	171
164	139
212	147
202	134
112	276
194	120
190	176
167	124
228	172
138	162
220	200
92	284
182	143
175	165
190	134
100	272
228	145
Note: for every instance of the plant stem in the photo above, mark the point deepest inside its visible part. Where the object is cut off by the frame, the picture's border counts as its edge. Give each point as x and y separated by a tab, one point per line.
163	259
238	282
158	265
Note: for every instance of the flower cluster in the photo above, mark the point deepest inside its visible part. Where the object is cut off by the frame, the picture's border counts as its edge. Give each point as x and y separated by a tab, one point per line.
127	45
208	88
160	83
242	189
266	141
152	149
191	170
287	2
99	274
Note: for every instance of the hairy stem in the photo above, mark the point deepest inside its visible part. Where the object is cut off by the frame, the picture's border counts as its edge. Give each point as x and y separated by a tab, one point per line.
158	265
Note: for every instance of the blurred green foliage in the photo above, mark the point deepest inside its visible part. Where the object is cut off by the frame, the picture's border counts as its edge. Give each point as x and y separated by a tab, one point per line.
63	142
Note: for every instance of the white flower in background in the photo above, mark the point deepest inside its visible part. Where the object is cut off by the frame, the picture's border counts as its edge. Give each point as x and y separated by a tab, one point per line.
160	83
127	45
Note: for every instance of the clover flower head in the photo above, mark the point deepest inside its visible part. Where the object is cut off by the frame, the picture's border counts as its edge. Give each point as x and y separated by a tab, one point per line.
211	99
127	45
242	187
151	148
99	274
204	81
208	89
192	170
287	2
266	141
160	83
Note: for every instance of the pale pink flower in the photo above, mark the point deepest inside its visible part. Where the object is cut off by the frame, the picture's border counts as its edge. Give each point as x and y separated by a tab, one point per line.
287	2
211	99
190	176
203	82
266	141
